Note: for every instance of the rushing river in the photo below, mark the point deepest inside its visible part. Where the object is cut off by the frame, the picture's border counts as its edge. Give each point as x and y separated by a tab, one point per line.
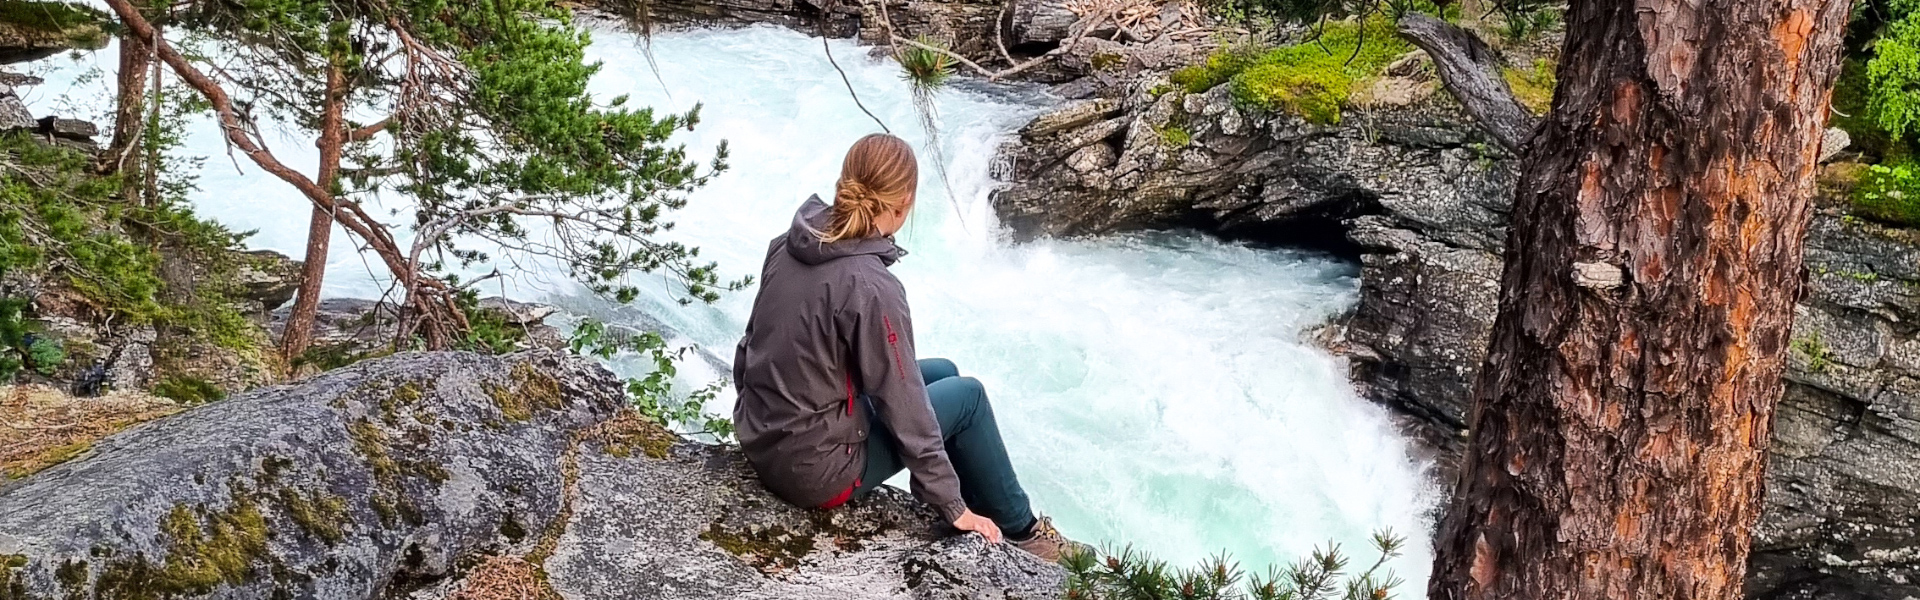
1154	389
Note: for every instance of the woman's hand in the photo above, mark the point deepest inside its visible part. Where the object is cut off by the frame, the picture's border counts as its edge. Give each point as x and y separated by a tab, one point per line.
978	524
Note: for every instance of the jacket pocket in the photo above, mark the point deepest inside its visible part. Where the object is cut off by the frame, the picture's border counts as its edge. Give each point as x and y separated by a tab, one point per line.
849	429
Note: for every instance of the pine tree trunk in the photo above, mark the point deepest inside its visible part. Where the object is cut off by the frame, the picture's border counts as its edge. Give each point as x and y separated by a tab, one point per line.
1620	423
129	115
298	334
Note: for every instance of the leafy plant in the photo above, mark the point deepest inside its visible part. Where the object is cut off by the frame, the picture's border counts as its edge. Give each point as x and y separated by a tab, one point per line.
924	67
1889	194
1819	357
654	396
1135	575
1893	76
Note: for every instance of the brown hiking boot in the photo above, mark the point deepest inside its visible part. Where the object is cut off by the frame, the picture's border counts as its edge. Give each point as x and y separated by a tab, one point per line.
1047	543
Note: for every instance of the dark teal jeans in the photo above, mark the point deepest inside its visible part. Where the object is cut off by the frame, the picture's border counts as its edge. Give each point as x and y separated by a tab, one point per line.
979	457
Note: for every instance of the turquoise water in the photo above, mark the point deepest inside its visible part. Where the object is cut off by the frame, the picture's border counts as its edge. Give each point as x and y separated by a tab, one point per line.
1154	389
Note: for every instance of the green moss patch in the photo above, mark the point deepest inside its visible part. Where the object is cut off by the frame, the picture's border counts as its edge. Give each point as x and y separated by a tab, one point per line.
1533	87
318	513
1219	68
769	549
628	431
1313	79
529	392
206	548
188	390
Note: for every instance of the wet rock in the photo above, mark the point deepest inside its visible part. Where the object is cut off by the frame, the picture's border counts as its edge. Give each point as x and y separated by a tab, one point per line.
518	313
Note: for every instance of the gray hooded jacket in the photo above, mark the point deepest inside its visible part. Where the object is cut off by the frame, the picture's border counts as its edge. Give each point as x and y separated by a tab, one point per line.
831	322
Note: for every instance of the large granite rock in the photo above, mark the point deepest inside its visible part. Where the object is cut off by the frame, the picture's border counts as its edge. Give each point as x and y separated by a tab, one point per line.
1420	197
347	486
407	476
1155	157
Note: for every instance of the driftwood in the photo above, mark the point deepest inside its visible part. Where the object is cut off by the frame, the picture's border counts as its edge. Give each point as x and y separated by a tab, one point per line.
1471	73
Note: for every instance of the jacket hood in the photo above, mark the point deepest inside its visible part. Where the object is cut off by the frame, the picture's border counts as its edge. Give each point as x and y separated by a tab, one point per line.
804	243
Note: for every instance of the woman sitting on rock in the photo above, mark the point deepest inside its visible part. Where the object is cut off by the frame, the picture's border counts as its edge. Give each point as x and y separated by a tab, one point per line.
832	400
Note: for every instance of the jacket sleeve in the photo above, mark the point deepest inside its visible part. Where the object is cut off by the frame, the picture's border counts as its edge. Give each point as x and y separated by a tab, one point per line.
881	338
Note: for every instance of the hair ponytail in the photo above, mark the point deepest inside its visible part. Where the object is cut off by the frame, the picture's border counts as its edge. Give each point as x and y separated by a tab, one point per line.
877	177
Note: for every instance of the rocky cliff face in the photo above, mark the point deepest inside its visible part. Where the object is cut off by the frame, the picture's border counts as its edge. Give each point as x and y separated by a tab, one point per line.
454	475
1419	196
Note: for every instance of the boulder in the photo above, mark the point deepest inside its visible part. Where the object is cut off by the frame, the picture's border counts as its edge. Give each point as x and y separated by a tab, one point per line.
13	113
414	475
1042	21
347	486
269	279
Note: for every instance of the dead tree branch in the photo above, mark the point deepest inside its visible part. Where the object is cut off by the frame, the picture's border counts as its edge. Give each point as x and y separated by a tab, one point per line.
1471	72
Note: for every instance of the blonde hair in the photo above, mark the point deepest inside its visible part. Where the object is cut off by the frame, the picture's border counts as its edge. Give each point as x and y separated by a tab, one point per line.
877	177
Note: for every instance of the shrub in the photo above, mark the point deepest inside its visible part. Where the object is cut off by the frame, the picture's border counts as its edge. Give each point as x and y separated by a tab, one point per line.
1893	76
1314	77
1889	194
45	356
53	209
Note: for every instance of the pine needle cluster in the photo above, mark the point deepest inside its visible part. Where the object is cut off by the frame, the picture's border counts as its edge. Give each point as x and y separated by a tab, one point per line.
1131	574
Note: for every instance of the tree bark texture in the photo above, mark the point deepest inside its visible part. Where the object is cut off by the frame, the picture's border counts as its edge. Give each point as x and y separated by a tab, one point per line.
129	114
1620	423
298	334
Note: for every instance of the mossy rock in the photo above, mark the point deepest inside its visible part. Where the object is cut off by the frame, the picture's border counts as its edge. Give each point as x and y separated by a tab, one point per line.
31	30
302	489
1311	78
